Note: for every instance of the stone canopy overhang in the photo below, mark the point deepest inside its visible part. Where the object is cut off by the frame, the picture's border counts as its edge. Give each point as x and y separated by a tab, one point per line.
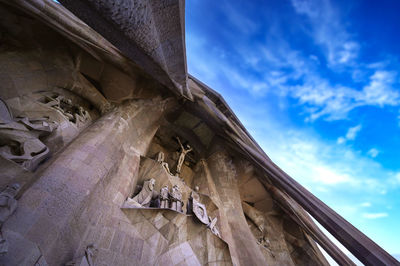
152	47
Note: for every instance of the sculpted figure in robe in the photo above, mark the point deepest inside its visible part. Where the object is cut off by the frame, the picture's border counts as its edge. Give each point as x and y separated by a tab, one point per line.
182	155
176	199
164	197
144	197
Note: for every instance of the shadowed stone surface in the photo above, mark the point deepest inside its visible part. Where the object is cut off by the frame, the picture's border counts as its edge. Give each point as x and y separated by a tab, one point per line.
116	88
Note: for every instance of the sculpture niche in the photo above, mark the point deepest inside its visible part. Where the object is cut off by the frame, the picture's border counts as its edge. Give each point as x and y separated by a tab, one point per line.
148	198
200	211
19	138
144	197
8	205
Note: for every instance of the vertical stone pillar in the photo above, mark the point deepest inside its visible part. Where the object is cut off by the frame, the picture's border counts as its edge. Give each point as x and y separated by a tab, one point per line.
98	167
235	230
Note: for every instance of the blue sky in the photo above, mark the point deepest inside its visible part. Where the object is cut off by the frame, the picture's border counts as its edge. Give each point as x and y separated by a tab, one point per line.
317	84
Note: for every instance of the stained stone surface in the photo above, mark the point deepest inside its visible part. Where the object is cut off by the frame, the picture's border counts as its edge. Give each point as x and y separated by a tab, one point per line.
118	95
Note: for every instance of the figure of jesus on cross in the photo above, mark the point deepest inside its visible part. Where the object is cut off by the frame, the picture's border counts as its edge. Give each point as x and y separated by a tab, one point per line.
182	155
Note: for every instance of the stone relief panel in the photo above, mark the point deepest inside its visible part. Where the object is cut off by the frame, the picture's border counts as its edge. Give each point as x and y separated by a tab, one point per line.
35	126
162	189
45	99
20	138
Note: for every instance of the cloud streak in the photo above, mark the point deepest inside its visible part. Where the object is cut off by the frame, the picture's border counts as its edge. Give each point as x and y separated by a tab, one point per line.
375	215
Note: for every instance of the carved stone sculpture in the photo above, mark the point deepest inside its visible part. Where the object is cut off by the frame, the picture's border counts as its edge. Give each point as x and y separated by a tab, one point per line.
176	199
213	226
200	211
70	111
86	260
182	155
82	115
145	196
64	106
19	138
164	197
160	159
8	205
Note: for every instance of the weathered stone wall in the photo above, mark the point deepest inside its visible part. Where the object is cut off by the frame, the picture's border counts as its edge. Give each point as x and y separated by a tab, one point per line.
150	33
79	195
235	232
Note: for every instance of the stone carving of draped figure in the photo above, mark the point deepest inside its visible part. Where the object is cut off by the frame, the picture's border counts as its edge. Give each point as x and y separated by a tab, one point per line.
200	211
144	197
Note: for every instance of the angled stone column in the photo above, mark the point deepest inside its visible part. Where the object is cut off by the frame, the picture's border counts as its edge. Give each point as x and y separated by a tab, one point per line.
99	166
235	231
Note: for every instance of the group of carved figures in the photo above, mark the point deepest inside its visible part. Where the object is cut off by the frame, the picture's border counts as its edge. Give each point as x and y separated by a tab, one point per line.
183	152
20	137
171	200
147	197
74	113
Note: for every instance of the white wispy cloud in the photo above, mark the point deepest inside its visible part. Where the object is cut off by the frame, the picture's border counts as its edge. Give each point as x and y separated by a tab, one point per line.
350	135
313	162
335	102
328	30
373	152
380	91
365	204
375	215
352	132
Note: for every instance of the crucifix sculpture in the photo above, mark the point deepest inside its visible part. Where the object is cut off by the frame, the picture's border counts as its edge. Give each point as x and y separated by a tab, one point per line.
182	155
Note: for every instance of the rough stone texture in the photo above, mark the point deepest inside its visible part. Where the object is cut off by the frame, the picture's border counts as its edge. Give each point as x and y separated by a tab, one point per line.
76	198
61	201
148	32
234	229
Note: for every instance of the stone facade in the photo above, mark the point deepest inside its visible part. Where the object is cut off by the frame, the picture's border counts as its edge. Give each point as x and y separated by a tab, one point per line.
111	154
